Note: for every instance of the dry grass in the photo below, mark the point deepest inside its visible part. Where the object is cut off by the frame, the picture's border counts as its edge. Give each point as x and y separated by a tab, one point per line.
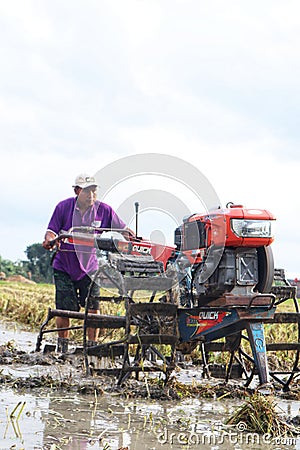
260	415
28	304
25	303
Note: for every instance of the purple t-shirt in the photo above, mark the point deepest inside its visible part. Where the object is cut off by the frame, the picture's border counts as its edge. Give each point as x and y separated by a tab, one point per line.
82	260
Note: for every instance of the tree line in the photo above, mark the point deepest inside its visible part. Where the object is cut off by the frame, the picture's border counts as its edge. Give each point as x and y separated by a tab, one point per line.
37	267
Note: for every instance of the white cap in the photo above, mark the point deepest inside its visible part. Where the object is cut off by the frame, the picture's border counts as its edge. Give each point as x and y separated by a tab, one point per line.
84	180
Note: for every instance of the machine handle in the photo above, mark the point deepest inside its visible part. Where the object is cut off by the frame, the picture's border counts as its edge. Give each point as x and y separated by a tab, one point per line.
56	240
263	295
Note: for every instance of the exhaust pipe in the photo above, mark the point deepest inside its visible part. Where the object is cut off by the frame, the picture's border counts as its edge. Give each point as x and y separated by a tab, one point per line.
136	217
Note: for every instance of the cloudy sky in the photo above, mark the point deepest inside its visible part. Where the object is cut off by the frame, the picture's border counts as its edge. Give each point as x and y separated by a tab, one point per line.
85	83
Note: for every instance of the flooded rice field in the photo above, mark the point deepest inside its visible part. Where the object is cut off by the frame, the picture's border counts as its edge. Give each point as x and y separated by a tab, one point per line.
54	421
89	413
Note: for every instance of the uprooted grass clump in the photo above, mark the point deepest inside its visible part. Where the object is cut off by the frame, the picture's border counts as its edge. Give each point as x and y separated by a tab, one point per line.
259	414
156	388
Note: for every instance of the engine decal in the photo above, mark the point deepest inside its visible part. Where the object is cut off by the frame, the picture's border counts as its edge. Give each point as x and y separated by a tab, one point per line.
204	321
141	249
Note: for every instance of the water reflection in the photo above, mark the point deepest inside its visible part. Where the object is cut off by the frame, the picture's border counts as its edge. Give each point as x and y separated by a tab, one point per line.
19	335
28	428
75	422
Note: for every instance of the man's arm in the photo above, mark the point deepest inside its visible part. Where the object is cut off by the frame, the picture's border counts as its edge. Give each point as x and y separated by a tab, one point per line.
49	236
54	226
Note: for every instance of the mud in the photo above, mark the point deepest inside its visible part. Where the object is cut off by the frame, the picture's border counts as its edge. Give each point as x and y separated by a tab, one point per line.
47	402
51	420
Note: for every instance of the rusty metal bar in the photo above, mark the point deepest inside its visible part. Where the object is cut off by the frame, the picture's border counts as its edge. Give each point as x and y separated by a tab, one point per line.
288	317
288	346
93	320
283	346
149	339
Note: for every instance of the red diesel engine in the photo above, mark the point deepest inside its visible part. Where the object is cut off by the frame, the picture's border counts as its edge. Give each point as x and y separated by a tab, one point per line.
225	251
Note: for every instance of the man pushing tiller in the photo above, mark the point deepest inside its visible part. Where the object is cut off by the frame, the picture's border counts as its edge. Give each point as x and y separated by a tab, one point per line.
72	269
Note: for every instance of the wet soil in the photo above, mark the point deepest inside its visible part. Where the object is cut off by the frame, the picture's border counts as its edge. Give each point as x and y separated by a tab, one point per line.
48	402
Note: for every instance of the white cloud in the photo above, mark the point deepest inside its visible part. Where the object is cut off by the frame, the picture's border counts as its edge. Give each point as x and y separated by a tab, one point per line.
214	83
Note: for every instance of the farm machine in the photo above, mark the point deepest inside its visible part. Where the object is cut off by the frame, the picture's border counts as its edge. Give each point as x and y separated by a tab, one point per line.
214	292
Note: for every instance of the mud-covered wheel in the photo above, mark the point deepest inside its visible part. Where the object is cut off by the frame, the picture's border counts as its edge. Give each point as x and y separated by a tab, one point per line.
265	269
151	339
151	325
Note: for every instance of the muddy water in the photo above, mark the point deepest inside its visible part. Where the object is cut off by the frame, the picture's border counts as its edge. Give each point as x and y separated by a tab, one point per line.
54	421
49	420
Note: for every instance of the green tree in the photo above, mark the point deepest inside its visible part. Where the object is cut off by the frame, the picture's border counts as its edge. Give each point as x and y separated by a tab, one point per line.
39	263
13	268
7	267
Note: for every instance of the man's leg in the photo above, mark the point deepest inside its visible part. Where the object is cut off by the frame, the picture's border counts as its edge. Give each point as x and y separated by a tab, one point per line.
87	290
65	299
93	333
63	322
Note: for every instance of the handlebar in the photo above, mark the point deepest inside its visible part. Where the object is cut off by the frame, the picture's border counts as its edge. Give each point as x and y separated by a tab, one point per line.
56	240
87	236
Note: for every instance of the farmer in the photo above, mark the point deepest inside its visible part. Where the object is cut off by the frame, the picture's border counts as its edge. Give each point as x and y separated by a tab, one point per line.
72	268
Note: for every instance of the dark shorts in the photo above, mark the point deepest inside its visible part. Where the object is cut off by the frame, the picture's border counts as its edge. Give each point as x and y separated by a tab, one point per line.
71	295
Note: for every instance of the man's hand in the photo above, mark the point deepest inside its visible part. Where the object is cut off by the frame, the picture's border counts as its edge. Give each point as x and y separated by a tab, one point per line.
128	234
49	236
